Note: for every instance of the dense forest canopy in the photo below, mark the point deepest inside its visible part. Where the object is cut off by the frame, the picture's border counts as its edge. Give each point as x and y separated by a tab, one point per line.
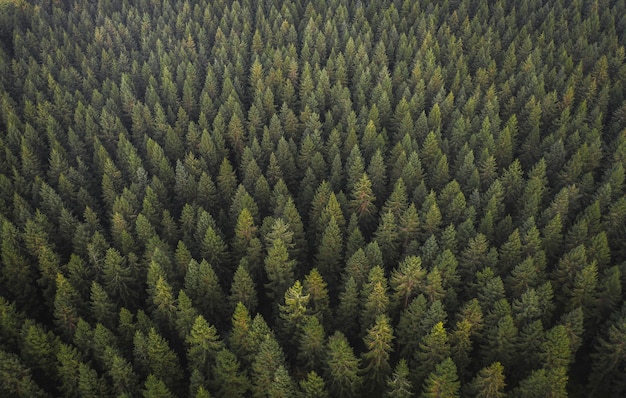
284	198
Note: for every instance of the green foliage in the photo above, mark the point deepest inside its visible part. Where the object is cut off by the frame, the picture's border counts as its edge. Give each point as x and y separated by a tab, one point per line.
378	342
16	379
443	381
489	382
204	343
342	367
448	174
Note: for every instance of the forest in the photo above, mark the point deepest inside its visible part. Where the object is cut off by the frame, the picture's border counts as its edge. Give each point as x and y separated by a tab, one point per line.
289	198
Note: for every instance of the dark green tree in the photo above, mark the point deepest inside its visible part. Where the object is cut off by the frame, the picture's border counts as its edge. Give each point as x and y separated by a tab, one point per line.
342	367
378	343
443	381
489	382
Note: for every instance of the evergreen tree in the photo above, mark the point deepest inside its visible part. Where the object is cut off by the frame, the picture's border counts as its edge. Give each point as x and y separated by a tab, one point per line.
398	384
203	288
328	258
362	202
155	387
347	310
154	354
433	349
243	289
443	381
229	380
407	280
378	342
342	367
204	343
293	314
313	386
279	269
66	306
315	286
375	297
489	382
267	361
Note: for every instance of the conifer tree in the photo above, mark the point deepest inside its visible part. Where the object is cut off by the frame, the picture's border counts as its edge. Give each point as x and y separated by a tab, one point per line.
155	387
204	343
229	379
407	280
267	361
362	202
243	289
342	367
398	384
443	381
489	382
433	349
346	319
378	342
279	269
328	256
313	386
293	314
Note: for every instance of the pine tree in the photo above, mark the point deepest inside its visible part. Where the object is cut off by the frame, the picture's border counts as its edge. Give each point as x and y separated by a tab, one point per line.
407	280
69	361
293	314
243	289
38	350
443	381
329	253
362	202
155	387
608	354
378	342
203	288
342	367
388	238
103	310
17	276
433	349
229	380
66	306
117	277
375	298
501	341
347	310
241	337
89	384
279	269
311	346
214	250
283	385
154	352
122	375
245	232
313	386
268	359
398	384
489	382
315	286
186	315
410	318
204	343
